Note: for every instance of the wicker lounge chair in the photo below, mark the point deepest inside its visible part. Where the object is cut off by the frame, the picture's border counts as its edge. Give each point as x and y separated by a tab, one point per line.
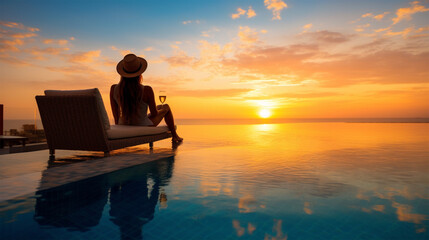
77	120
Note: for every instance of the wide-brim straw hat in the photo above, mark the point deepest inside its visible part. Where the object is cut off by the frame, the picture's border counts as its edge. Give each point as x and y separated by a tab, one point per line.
131	66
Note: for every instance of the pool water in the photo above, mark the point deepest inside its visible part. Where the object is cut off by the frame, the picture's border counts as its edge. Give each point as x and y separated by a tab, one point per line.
272	181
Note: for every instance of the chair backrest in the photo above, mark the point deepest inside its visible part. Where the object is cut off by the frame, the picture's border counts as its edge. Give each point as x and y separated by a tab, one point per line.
90	91
73	122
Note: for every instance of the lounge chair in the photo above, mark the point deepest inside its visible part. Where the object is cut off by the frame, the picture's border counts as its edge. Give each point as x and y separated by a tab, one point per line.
77	120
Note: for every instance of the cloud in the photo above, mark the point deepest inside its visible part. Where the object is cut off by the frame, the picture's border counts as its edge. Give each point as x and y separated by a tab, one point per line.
213	50
23	35
327	59
208	32
170	81
84	57
39	53
371	15
308	26
240	12
10	45
271	60
422	29
180	58
191	21
265	80
329	37
276	6
406	13
14	60
212	92
81	69
12	37
248	35
19	38
407	33
404	33
382	29
250	12
123	52
379	66
18	26
361	28
22	46
419	33
309	95
209	55
380	16
375	44
56	41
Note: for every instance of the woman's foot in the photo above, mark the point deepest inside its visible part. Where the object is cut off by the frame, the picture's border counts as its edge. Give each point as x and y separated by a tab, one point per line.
177	139
175	145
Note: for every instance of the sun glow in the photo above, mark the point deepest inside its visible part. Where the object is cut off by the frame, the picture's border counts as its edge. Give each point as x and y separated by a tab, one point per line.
264	113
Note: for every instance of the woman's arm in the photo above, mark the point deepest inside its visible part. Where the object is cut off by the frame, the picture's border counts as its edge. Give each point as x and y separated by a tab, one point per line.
149	98
114	104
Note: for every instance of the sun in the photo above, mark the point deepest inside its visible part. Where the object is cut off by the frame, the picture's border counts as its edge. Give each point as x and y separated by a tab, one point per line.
264	113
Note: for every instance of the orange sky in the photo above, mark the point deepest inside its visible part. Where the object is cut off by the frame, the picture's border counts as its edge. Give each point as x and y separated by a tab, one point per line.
370	62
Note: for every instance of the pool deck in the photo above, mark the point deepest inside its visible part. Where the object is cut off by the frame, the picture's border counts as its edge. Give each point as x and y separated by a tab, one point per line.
21	173
27	148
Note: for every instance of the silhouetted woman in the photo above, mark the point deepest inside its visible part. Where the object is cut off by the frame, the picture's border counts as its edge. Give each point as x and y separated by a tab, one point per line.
130	100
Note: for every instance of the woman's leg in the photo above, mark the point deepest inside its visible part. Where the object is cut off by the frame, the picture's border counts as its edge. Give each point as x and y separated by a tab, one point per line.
164	111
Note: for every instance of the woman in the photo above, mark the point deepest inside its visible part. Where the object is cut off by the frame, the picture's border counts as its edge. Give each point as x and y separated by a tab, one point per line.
130	99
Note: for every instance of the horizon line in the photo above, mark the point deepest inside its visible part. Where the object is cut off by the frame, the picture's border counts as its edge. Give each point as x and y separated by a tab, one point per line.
256	118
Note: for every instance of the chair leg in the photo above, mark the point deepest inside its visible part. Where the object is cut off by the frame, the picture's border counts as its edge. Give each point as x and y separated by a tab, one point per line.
106	154
51	154
151	145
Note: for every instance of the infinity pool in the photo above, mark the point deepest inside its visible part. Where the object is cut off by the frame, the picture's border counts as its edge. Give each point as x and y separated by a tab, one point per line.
267	181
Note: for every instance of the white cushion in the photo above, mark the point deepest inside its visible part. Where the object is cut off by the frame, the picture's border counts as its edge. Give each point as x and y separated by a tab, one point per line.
92	91
126	131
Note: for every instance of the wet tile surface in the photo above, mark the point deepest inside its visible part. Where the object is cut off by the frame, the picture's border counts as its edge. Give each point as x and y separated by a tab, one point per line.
21	173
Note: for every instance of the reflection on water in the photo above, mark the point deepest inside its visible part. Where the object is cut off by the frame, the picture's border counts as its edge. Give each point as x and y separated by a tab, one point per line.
67	206
269	181
360	176
130	195
133	196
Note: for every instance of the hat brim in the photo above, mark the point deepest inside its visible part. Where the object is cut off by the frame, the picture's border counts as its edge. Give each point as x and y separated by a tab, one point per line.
120	68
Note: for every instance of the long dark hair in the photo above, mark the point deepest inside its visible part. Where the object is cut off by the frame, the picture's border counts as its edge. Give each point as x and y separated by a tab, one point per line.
130	93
